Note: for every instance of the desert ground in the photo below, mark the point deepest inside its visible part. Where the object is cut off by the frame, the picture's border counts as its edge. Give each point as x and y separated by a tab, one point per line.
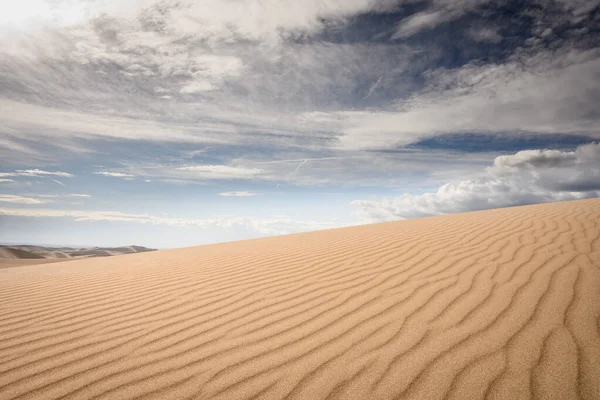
19	262
37	252
499	304
18	256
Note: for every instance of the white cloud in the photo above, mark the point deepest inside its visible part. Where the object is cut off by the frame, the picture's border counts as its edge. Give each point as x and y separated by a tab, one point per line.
545	93
49	122
6	180
115	174
221	171
527	177
441	11
485	34
10	198
53	196
211	72
36	173
231	70
237	194
421	21
264	226
264	20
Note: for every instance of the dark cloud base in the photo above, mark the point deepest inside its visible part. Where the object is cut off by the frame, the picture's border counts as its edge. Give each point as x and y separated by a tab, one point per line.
481	143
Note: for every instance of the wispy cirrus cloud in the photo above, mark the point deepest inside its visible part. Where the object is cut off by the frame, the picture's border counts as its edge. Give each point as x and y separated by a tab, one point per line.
229	76
115	174
51	196
11	198
36	173
237	194
264	226
220	171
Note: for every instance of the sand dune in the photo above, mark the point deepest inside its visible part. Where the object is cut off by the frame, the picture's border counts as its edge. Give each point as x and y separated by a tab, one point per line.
13	253
19	262
18	256
33	252
501	304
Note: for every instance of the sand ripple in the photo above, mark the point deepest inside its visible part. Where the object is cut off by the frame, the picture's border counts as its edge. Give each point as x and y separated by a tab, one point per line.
501	304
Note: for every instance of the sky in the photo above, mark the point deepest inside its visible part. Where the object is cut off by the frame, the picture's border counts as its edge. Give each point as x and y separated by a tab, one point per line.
176	123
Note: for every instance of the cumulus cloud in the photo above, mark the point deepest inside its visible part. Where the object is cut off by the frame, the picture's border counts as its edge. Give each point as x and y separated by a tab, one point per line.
527	177
220	171
237	194
10	198
115	174
265	226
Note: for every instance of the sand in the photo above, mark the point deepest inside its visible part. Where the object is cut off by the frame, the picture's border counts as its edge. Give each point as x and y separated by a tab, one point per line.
500	304
33	251
15	262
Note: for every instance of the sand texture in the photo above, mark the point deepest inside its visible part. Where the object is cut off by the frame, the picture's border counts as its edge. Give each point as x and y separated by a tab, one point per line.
19	262
501	304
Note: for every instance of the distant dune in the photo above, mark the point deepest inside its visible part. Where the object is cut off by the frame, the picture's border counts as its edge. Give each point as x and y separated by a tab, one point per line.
500	304
11	256
16	253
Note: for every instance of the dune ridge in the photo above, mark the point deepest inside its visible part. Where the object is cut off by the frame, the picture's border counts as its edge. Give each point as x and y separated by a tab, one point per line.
39	252
498	304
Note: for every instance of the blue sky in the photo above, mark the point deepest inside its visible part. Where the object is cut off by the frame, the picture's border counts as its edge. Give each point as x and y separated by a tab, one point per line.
174	123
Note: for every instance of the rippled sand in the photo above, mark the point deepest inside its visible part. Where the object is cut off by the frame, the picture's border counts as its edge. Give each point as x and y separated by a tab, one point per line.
501	304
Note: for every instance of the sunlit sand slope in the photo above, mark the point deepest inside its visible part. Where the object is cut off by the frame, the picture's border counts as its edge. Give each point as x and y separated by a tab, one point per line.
501	304
15	262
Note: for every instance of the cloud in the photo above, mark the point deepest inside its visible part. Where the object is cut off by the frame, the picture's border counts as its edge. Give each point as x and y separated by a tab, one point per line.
485	34
265	226
420	21
527	177
115	174
6	180
36	173
237	194
440	12
547	93
311	78
220	171
271	75
53	196
10	198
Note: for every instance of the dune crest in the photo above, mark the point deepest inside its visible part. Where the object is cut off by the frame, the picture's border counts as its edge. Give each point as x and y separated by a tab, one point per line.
499	304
